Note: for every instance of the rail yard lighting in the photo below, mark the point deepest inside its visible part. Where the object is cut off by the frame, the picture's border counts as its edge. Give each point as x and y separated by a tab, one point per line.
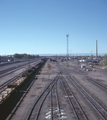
67	50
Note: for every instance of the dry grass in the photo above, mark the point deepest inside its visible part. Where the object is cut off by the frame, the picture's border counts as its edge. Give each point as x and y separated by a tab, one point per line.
48	68
45	69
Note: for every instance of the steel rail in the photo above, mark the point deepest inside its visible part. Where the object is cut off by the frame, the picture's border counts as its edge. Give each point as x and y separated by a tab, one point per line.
7	82
69	100
99	84
27	86
28	118
58	105
101	110
31	83
11	80
51	105
55	104
78	111
94	80
19	67
45	98
9	63
12	68
98	107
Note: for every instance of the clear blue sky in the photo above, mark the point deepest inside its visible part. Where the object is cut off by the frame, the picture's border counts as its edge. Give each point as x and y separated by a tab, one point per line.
40	26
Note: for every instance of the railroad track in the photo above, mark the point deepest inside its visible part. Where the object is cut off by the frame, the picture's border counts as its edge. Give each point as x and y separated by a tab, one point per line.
95	81
36	109
8	71
98	107
55	106
77	109
10	105
4	85
13	79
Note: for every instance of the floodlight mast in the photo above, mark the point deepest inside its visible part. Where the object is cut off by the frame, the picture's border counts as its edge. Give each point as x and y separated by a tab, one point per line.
67	49
96	49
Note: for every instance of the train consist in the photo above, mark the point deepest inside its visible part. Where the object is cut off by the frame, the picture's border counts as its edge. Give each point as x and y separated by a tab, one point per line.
6	90
53	60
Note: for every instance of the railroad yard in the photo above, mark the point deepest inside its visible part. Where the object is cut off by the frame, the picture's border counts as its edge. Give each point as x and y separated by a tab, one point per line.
53	60
52	90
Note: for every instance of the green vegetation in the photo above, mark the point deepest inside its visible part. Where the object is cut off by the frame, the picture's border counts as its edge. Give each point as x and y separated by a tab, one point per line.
24	56
105	59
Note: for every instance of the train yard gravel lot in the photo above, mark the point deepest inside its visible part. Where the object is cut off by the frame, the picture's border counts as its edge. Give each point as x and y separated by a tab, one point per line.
44	78
81	108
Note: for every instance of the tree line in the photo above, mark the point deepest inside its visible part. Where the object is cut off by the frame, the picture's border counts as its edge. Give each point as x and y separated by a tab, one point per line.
105	59
24	56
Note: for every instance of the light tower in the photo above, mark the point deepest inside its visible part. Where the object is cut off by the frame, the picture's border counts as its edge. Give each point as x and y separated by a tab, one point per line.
67	49
96	49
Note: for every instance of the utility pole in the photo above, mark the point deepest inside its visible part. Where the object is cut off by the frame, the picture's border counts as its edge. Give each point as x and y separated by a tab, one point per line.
67	50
